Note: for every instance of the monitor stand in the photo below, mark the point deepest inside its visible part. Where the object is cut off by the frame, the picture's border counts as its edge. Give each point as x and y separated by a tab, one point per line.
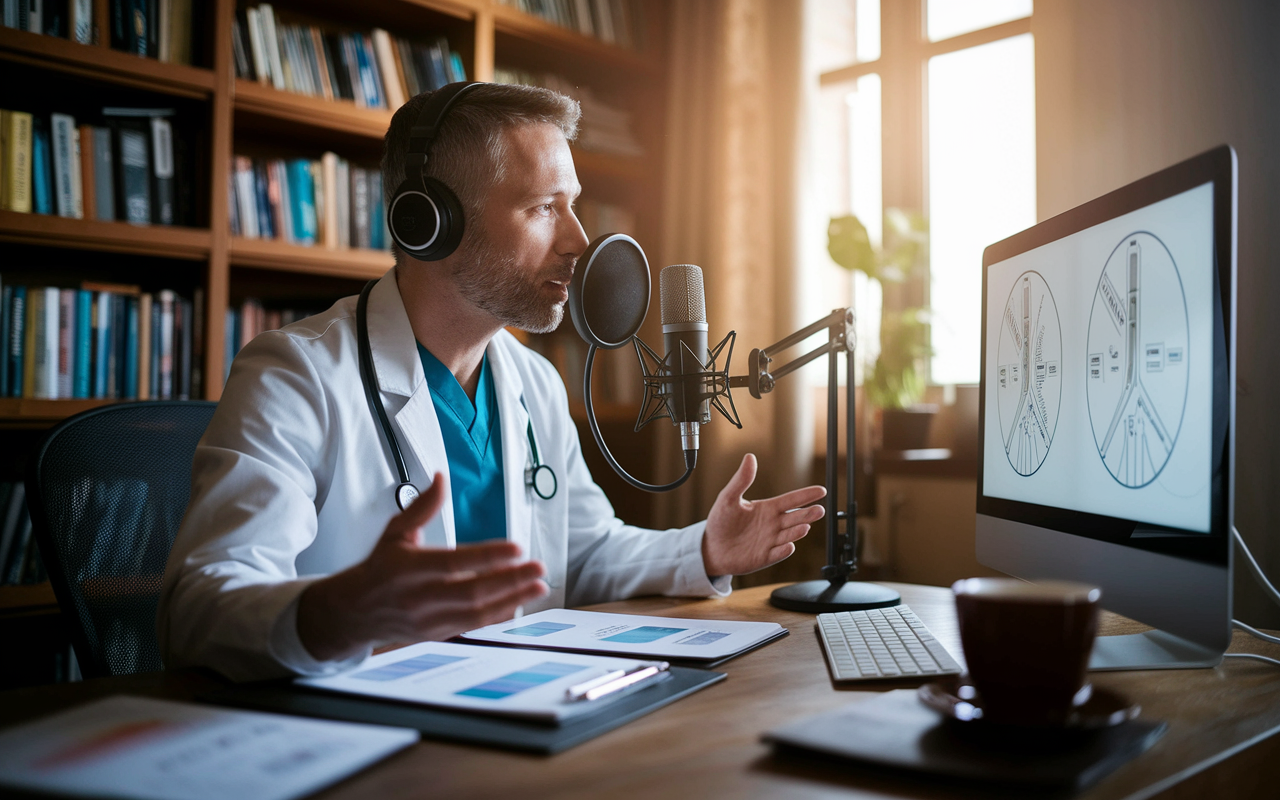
1155	649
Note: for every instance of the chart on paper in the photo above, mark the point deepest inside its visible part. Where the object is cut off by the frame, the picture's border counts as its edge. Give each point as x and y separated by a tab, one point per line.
1137	360
1029	372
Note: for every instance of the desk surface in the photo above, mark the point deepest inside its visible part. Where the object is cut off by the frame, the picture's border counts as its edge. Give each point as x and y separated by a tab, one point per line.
1219	742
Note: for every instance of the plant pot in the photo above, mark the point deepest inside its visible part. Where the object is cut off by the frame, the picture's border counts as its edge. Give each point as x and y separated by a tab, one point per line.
907	428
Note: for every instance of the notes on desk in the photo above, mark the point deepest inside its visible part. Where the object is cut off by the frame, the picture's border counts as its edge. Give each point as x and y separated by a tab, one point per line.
528	684
701	640
151	749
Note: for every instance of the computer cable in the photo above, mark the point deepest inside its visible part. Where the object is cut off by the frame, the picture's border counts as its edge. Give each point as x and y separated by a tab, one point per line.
1261	578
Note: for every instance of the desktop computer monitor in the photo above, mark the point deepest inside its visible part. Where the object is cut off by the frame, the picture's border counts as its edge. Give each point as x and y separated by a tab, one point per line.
1107	408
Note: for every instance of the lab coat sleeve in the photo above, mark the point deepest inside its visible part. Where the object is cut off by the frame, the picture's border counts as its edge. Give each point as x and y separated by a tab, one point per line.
230	590
610	560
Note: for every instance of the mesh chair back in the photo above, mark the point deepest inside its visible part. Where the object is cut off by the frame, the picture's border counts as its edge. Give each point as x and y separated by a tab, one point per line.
107	491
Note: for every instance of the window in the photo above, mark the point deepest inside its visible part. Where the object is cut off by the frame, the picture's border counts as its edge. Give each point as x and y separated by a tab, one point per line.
927	106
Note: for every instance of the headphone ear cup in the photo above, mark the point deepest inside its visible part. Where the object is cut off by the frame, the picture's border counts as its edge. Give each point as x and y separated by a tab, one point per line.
425	219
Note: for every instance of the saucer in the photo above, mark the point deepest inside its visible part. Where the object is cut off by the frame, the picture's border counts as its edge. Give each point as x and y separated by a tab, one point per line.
955	698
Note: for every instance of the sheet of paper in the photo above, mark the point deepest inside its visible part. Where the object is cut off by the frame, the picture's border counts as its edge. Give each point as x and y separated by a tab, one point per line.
654	637
157	749
490	680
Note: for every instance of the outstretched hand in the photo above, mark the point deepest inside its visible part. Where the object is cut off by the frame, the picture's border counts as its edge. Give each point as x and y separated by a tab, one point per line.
747	535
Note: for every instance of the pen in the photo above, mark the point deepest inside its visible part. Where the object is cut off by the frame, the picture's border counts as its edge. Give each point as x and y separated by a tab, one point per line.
612	682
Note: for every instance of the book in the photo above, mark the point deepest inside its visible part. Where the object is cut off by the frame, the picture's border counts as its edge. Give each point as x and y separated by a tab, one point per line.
15	155
367	69
391	80
67	309
133	186
377	219
166	302
162	189
359	208
271	44
17	341
197	311
302	201
154	379
42	315
88	188
6	299
144	346
104	195
183	347
329	204
101	317
68	192
257	48
240	46
116	347
138	25
343	191
41	169
80	23
81	385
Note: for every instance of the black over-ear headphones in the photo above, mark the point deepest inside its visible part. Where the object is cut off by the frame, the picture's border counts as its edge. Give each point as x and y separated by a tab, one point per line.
424	216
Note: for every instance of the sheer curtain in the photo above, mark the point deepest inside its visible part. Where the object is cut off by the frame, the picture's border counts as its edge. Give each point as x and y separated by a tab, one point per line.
731	206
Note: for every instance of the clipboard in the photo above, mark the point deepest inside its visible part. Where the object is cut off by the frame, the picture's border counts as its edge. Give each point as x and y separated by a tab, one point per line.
505	733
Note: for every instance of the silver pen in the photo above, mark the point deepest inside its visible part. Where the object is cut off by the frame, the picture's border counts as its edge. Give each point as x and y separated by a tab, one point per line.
612	682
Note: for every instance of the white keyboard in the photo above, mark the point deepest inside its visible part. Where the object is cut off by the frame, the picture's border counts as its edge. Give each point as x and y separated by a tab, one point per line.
882	643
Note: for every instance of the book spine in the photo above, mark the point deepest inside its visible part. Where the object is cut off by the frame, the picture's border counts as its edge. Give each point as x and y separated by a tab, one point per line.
17	342
17	163
246	197
328	187
115	347
392	86
138	27
135	176
197	310
154	345
302	195
342	189
6	302
364	65
44	317
166	345
359	207
66	341
261	65
162	171
88	188
352	61
163	42
103	174
324	70
66	166
33	347
263	201
144	346
184	348
271	43
180	32
131	348
101	343
377	219
82	21
80	383
41	170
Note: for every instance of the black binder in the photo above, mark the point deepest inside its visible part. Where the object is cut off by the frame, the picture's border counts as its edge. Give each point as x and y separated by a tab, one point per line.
503	732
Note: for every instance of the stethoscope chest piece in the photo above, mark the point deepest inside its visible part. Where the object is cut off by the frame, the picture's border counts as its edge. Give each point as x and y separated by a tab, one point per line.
543	481
406	493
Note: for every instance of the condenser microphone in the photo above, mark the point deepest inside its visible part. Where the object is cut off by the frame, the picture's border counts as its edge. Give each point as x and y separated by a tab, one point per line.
684	341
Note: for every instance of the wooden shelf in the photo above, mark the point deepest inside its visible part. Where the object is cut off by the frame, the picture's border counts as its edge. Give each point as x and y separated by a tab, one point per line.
35	597
117	237
46	411
514	22
104	64
342	116
284	257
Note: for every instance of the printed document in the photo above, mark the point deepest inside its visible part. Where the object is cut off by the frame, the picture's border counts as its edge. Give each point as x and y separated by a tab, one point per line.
654	637
530	684
161	750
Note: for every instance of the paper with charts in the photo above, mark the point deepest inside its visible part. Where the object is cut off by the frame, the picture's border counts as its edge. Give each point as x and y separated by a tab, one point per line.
504	681
654	637
150	749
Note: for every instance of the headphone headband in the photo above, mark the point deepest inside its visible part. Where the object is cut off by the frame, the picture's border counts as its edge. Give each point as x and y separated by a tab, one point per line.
427	126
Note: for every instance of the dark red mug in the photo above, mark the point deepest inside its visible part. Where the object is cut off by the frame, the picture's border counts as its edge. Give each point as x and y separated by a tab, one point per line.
1027	645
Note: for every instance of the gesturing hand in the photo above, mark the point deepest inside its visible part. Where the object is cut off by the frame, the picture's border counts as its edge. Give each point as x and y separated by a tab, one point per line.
746	535
406	593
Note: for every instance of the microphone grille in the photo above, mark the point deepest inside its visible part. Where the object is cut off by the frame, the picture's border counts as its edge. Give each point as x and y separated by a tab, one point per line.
683	299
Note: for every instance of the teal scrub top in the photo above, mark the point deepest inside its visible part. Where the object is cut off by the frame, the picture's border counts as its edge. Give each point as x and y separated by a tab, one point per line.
473	443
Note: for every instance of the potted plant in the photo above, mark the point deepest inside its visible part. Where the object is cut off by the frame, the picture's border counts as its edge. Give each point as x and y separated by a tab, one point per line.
896	381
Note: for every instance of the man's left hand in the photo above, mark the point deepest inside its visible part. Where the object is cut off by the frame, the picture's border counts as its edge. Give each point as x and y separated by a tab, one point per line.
746	535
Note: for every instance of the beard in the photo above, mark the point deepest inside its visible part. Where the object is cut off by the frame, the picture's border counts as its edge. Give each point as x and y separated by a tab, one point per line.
511	292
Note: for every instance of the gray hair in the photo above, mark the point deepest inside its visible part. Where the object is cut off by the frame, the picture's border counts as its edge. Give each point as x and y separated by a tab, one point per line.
469	153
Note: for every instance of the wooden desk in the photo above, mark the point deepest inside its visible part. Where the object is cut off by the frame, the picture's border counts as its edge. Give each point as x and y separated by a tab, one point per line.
1220	741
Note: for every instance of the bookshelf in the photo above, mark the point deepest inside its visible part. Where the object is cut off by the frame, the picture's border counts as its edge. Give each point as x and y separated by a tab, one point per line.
230	115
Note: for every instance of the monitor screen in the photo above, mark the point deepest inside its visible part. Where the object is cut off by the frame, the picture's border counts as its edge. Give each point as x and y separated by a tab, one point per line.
1104	406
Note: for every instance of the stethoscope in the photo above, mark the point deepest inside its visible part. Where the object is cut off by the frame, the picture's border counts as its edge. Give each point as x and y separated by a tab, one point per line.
539	477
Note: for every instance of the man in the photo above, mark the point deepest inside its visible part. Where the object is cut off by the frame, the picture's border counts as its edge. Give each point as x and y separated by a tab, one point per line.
293	556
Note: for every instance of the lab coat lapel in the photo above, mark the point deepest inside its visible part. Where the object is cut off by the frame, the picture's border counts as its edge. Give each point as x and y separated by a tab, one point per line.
399	370
515	445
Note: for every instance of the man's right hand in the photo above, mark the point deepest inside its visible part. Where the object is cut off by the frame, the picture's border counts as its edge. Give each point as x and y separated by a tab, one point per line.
407	593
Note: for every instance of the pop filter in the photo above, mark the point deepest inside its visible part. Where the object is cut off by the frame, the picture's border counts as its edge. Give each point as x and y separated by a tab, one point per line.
609	293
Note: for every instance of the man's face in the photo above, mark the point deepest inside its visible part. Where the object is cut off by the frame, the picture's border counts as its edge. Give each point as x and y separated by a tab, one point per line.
517	259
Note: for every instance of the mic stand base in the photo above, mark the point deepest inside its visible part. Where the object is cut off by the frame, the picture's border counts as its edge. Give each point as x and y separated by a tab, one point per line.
820	597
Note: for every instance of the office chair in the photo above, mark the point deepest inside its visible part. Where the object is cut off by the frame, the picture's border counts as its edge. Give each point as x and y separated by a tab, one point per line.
107	490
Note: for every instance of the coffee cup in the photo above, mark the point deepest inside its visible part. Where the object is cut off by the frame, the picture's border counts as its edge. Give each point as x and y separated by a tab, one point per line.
1027	645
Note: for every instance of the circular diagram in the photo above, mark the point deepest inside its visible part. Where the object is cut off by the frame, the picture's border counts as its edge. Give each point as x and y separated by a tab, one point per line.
1028	372
1137	359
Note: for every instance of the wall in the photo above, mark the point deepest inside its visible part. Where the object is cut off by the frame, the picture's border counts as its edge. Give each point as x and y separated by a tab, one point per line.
1127	87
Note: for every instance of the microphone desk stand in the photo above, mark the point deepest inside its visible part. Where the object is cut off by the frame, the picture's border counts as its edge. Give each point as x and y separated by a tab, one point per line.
835	591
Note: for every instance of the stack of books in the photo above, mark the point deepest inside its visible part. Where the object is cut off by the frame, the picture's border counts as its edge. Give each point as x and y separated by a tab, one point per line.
372	69
613	21
125	168
160	29
19	556
329	202
251	319
604	128
100	341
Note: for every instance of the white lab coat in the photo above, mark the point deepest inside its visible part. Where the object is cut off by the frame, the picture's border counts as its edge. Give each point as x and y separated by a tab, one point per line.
292	481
